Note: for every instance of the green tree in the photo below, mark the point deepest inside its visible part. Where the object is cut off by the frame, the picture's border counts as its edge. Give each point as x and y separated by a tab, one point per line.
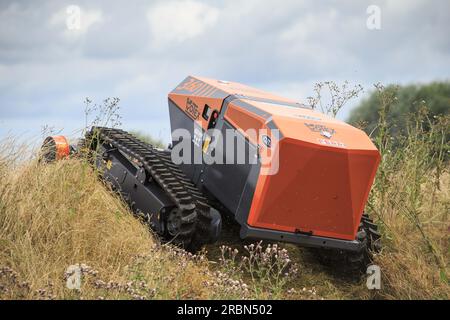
408	101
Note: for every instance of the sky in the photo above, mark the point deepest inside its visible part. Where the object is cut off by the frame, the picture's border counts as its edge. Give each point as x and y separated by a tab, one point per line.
54	54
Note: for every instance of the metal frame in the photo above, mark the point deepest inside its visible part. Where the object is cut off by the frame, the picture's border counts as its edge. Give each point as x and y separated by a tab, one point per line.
144	196
299	238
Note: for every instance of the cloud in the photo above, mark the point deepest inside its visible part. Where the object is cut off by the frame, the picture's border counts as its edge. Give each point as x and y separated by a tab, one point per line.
140	52
178	21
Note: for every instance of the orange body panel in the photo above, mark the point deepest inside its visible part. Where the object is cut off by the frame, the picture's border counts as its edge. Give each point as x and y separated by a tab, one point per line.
212	92
314	191
244	120
326	167
323	180
244	90
62	147
193	94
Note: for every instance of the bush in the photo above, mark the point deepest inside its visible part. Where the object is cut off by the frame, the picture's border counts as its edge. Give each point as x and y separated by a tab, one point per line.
408	101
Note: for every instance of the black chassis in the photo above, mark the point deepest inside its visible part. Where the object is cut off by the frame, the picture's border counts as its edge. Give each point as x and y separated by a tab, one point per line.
146	199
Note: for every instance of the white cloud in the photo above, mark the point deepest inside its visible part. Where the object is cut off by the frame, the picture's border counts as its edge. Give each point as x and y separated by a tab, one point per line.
175	22
402	7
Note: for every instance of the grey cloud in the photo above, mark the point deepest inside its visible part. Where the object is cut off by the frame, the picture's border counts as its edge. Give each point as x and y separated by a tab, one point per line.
46	71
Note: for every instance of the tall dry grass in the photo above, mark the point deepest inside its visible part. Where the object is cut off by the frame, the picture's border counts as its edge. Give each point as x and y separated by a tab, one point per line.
410	201
58	215
54	216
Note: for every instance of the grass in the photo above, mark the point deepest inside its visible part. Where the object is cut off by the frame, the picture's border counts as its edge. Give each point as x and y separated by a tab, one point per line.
411	200
58	215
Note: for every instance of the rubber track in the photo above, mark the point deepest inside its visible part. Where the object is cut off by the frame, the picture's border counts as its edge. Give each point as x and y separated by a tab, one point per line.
354	263
193	206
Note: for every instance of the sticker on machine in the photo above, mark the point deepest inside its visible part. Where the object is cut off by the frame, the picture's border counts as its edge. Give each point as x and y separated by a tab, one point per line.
198	137
332	143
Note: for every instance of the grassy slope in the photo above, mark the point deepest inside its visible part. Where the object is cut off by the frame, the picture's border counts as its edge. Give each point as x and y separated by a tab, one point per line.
58	215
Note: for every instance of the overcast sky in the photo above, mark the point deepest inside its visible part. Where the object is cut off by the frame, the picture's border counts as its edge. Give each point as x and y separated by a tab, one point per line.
140	50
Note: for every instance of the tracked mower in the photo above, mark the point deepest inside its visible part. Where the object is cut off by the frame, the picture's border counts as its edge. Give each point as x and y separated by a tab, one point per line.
292	174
